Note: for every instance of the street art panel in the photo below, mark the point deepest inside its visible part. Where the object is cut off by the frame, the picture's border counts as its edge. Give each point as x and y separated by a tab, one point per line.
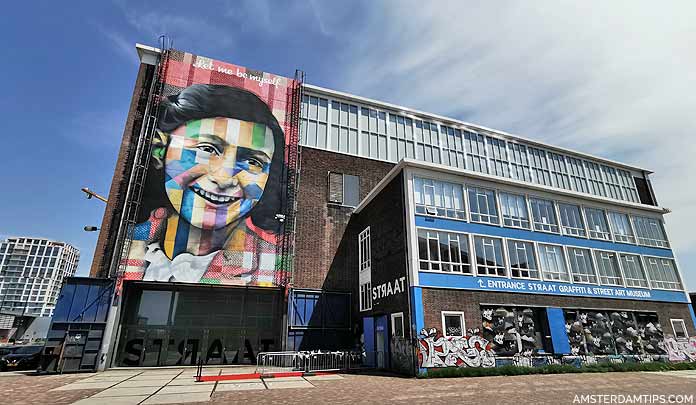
401	351
681	350
437	350
611	333
511	331
213	200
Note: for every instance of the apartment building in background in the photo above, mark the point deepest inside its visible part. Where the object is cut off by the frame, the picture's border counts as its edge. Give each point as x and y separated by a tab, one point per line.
32	271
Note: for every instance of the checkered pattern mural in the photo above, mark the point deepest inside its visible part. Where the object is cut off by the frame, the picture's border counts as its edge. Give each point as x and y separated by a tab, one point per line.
217	177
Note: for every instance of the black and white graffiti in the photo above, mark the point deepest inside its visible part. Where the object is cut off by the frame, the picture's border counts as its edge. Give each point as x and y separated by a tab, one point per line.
511	330
611	333
437	350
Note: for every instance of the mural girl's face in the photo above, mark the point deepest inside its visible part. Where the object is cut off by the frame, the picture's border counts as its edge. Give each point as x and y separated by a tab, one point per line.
216	169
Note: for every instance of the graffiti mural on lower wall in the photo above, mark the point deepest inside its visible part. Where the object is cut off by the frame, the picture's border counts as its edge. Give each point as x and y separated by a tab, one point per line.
437	350
401	351
681	350
616	332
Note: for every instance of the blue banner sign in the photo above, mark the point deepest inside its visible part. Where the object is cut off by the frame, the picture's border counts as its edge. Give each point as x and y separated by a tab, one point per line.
428	279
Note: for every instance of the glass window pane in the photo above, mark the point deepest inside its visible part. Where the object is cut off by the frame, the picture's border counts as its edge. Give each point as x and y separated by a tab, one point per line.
544	215
621	227
634	275
581	266
522	261
571	220
608	268
489	258
482	205
514	210
552	262
351	190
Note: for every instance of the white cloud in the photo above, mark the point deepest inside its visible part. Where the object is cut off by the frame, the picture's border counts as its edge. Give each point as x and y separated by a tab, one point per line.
613	79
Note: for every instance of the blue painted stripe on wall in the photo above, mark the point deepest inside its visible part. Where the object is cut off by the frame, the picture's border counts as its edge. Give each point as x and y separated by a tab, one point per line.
693	318
559	336
442	280
417	305
417	316
460	226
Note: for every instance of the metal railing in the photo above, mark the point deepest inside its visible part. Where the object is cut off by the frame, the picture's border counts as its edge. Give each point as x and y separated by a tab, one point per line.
279	362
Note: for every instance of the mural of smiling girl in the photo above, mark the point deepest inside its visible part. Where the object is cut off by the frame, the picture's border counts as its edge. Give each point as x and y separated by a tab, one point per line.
218	160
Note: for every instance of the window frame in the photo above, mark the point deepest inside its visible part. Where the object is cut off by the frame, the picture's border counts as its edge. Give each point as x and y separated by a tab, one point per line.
649	240
600	267
660	283
620	237
342	203
672	321
364	251
629	282
551	229
489	204
444	314
567	229
593	233
562	256
511	218
393	324
463	239
537	270
365	296
497	267
584	278
460	214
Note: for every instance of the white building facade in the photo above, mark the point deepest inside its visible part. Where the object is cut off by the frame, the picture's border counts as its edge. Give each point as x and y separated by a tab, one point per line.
32	271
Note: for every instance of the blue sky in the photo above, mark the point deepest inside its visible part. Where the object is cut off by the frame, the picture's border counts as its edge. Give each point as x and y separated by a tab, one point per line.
617	80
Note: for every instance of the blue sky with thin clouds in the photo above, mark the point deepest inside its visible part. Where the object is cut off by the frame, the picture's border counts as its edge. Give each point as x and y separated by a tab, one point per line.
615	79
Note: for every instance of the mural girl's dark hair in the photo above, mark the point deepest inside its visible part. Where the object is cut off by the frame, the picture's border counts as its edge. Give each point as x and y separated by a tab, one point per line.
210	100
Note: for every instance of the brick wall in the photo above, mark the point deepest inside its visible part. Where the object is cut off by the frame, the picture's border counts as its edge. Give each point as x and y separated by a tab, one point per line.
320	226
436	300
119	183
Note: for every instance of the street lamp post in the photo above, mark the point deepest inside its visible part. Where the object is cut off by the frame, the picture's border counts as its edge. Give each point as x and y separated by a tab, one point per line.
91	194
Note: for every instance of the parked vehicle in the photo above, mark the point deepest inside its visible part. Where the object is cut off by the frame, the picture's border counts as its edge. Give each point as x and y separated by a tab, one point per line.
5	350
22	358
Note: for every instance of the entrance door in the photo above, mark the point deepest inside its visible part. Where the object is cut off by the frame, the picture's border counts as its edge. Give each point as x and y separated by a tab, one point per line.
381	342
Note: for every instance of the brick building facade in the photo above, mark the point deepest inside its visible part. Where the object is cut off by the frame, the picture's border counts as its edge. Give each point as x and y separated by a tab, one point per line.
425	242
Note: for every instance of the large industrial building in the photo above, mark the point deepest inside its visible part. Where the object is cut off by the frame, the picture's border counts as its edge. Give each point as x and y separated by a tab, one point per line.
250	212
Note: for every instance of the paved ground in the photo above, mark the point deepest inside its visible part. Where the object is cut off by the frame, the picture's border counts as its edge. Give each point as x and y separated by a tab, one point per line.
176	386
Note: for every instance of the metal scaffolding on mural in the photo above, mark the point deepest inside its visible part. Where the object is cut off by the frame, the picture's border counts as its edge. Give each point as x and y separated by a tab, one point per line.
141	162
292	179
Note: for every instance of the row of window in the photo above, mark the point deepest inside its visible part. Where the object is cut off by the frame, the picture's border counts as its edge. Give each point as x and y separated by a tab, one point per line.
480	255
339	126
488	206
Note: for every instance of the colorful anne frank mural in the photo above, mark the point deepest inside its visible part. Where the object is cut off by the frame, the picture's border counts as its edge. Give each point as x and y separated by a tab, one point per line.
214	190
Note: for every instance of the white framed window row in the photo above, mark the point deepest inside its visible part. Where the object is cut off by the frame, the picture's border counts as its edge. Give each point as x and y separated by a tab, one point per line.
472	254
500	207
372	131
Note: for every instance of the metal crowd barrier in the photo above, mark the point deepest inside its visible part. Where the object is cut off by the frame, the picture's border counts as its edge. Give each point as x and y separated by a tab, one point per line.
279	362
